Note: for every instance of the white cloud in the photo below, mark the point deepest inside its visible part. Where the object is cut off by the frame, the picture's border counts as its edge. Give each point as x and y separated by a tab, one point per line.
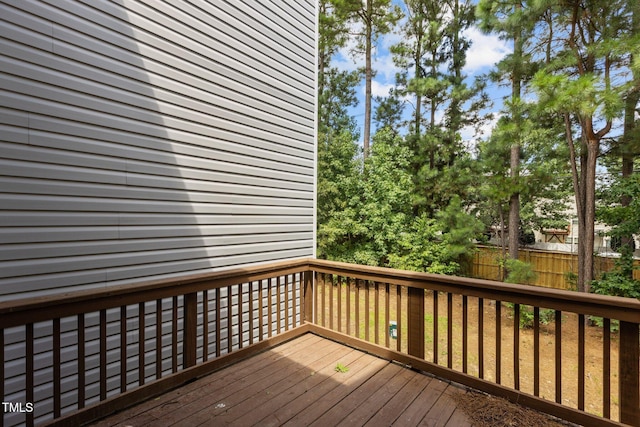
471	137
485	51
380	89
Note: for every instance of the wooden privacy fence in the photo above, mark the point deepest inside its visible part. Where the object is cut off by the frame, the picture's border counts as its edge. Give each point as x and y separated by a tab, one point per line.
552	268
78	357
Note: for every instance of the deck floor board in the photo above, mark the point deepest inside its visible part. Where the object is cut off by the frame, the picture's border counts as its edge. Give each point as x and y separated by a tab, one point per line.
296	384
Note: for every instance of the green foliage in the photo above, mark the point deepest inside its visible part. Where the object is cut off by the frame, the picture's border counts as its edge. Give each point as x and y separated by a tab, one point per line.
519	272
572	279
527	316
341	368
624	219
616	284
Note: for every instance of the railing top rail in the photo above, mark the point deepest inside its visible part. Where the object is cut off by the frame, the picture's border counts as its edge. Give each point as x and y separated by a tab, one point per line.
35	309
626	309
28	310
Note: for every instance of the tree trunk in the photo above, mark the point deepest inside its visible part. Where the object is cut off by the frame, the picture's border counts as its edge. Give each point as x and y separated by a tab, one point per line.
593	148
514	205
514	163
367	83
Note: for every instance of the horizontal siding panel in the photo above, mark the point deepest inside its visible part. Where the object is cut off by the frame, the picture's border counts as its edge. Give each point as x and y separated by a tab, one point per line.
212	57
143	118
72	135
226	233
184	105
57	265
76	247
26	172
121	75
123	123
46	219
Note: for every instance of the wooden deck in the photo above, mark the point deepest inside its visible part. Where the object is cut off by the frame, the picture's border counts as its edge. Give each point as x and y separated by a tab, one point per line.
296	384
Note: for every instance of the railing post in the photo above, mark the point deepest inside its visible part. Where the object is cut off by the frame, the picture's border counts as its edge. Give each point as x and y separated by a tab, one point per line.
308	296
190	329
629	376
416	322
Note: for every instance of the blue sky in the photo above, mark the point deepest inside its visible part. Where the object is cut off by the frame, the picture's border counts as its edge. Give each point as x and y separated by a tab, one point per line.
486	50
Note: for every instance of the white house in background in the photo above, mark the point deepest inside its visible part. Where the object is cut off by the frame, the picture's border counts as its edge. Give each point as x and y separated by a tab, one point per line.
566	240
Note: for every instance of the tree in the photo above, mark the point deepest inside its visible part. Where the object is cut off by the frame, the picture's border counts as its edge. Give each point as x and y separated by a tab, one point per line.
515	27
580	84
432	56
371	18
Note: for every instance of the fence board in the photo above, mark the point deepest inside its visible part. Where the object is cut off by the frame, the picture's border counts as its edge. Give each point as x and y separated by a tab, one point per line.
552	268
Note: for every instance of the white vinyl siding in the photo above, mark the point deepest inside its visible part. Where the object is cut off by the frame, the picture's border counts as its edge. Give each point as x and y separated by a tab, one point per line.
144	140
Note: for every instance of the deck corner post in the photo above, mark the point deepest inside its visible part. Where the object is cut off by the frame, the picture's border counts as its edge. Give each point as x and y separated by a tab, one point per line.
416	322
629	375
190	329
308	296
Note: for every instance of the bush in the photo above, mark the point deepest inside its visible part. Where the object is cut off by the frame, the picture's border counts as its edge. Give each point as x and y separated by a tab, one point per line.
616	284
519	272
526	316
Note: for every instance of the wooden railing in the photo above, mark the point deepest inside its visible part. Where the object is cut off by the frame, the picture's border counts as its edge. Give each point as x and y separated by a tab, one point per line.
74	358
473	332
70	359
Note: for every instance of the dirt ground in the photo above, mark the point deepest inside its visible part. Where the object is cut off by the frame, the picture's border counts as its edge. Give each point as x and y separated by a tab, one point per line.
569	343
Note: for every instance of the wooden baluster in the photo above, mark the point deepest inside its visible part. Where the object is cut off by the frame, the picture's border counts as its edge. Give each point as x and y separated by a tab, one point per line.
465	334
29	362
260	312
174	334
316	298
366	310
377	314
103	354
348	279
158	338
286	303
558	339
435	327
230	317
250	312
81	362
56	368
294	300
449	329
536	351
205	325
416	322
581	360
141	342
331	301
387	314
324	297
278	306
339	283
2	374
606	368
240	313
123	349
629	373
358	308
481	338
498	336
516	346
190	330
399	311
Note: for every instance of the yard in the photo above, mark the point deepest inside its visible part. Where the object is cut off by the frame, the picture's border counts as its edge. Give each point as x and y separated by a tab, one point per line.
364	307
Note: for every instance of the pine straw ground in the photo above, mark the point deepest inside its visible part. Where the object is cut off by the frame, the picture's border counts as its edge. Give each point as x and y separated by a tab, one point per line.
490	411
